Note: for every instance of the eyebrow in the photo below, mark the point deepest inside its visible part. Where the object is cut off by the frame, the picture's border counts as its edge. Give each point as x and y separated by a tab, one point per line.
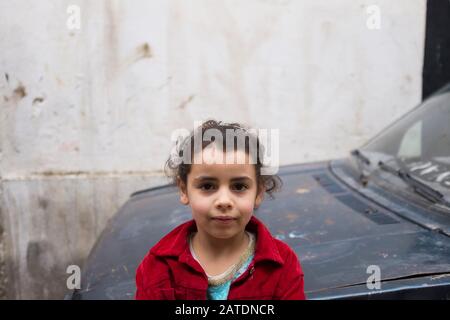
209	178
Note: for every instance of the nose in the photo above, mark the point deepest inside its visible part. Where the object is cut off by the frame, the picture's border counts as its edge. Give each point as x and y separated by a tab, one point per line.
223	201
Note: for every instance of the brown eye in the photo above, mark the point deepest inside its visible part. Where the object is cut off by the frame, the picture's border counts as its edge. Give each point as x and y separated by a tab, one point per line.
206	187
240	187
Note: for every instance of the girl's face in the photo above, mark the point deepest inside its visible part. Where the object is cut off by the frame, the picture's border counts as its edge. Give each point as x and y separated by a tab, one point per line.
222	196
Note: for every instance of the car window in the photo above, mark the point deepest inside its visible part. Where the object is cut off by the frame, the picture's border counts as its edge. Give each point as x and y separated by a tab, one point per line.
411	145
420	142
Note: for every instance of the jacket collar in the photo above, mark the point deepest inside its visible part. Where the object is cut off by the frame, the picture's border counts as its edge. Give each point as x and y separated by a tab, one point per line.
175	243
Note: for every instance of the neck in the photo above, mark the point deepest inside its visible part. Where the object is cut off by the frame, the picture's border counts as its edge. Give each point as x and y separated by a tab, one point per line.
216	247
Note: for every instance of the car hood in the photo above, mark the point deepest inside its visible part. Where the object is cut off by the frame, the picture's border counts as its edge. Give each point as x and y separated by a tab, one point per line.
336	232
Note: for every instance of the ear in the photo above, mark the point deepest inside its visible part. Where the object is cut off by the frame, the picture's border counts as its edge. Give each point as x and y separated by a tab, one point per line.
260	197
184	199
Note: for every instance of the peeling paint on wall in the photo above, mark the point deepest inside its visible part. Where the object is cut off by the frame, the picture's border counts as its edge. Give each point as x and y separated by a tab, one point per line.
88	120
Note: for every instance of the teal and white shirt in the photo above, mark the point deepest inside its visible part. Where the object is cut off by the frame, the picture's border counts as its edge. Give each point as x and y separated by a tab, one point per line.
220	292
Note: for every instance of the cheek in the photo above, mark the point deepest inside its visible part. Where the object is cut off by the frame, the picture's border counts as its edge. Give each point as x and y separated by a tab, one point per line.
246	205
200	205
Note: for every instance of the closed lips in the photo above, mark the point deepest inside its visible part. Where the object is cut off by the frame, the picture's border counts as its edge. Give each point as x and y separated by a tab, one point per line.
224	218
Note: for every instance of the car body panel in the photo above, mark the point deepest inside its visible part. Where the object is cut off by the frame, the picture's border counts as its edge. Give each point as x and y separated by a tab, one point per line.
336	232
339	226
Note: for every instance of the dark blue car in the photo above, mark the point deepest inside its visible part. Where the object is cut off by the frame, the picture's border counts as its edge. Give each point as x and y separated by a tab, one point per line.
374	225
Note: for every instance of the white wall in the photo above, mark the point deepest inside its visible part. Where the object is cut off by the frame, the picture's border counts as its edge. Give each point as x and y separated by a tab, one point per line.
86	115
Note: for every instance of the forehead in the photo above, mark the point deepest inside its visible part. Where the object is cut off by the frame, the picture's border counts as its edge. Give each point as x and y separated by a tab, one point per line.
223	170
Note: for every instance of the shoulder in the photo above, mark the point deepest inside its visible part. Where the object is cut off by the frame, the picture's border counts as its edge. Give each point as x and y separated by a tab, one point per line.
269	248
288	255
173	243
283	247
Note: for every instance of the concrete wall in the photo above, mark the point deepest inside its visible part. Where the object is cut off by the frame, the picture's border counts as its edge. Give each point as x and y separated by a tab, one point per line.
86	115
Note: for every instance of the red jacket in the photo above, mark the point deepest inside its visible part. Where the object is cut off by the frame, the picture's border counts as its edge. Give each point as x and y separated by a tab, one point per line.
170	272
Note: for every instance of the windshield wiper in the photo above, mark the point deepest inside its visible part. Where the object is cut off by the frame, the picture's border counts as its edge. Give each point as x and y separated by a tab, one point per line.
363	177
419	187
360	156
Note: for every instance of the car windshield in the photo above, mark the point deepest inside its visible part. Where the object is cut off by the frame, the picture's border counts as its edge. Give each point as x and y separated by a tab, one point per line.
418	144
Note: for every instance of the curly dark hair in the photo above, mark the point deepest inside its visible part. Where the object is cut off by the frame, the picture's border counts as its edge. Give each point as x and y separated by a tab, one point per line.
176	169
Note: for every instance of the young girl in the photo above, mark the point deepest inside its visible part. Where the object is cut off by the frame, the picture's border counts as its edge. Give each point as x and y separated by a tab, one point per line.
224	252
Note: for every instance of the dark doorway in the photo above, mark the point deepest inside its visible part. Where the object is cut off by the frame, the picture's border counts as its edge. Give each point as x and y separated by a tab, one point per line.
436	68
